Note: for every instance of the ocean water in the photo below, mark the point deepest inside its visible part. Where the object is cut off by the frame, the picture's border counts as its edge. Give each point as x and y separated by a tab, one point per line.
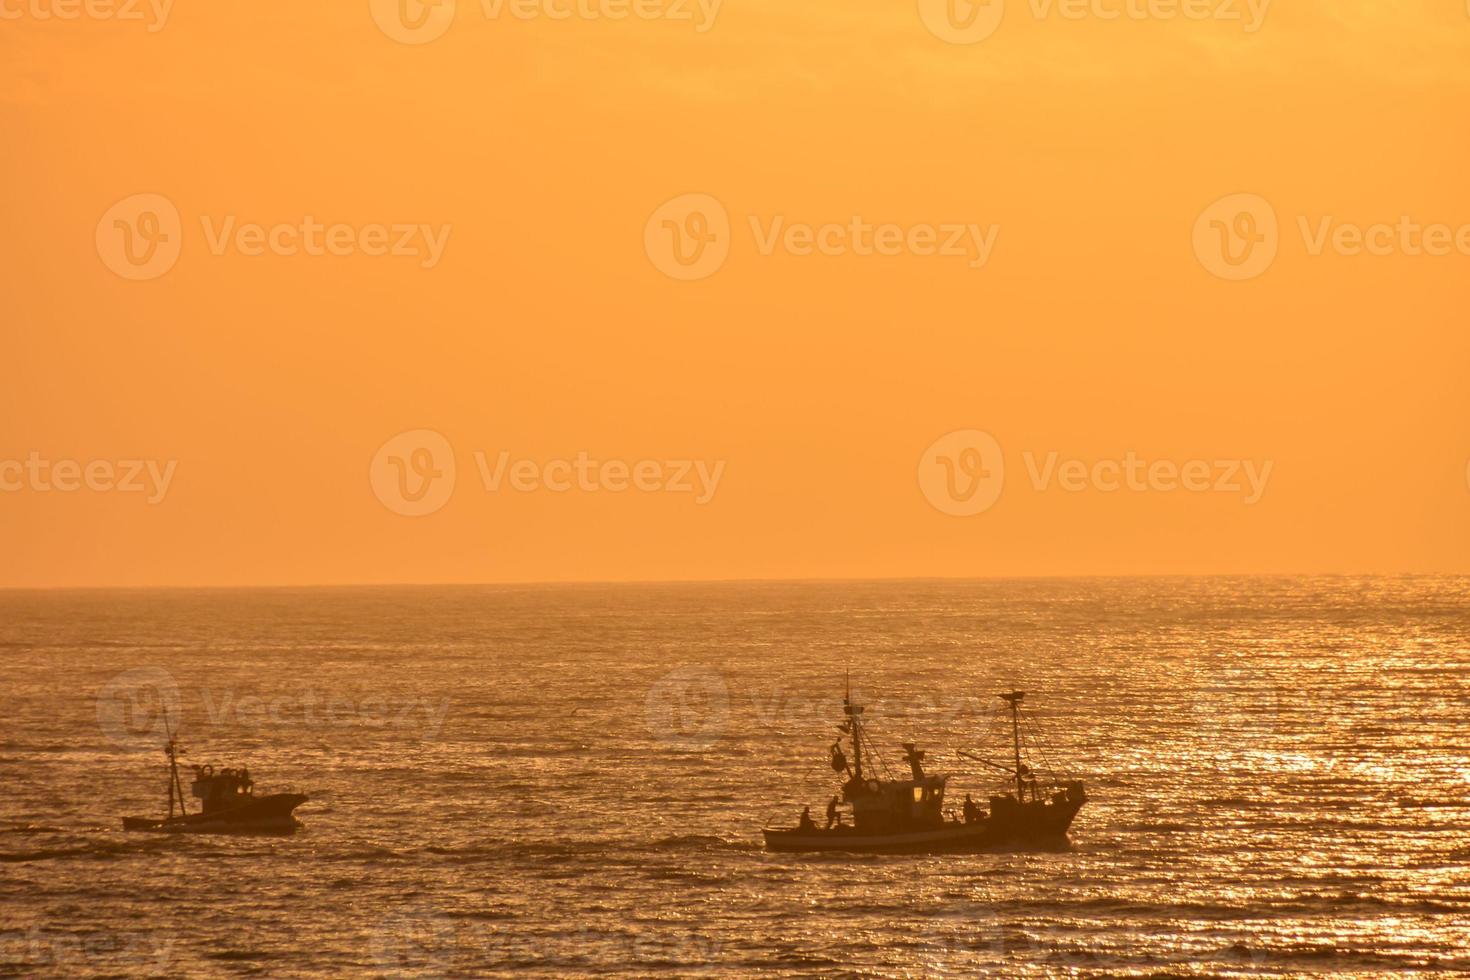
571	780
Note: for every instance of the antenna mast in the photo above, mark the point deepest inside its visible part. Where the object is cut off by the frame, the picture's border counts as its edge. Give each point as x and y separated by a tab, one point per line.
174	786
1014	698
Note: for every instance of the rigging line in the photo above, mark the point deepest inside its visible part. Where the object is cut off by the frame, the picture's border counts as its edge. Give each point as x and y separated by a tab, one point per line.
1028	741
1041	738
1033	722
997	722
1043	767
882	763
1040	732
811	777
989	725
794	799
982	741
873	753
1045	759
988	731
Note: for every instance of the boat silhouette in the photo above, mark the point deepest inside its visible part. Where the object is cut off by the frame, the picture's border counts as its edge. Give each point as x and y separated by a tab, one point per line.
907	816
228	804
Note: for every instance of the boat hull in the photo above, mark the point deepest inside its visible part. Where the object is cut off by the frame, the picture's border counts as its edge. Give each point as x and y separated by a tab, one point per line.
1036	825
262	815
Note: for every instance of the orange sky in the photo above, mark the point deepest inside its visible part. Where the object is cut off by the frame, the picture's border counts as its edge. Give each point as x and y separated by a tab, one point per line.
542	149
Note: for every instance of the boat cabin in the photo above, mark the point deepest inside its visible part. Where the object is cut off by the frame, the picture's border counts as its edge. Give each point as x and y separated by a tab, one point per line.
882	805
222	790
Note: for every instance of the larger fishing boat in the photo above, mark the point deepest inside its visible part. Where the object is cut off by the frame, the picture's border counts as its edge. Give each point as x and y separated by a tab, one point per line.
228	804
907	816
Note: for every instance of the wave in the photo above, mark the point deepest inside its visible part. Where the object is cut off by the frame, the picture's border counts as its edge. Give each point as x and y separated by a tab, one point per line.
485	915
589	848
99	851
1434	804
680	842
239	955
513	849
1134	910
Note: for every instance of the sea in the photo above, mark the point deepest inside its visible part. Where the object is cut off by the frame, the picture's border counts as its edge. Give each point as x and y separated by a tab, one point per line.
571	780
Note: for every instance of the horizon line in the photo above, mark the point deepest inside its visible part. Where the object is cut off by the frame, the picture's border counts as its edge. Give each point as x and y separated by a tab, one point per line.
794	580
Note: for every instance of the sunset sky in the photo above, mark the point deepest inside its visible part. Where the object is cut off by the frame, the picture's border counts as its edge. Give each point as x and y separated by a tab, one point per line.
532	164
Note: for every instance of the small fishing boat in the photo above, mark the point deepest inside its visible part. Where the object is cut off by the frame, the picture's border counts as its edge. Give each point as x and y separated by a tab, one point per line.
907	816
228	804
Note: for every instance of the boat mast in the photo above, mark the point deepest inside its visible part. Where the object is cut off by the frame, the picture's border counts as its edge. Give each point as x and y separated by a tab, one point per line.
174	786
855	726
1014	699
